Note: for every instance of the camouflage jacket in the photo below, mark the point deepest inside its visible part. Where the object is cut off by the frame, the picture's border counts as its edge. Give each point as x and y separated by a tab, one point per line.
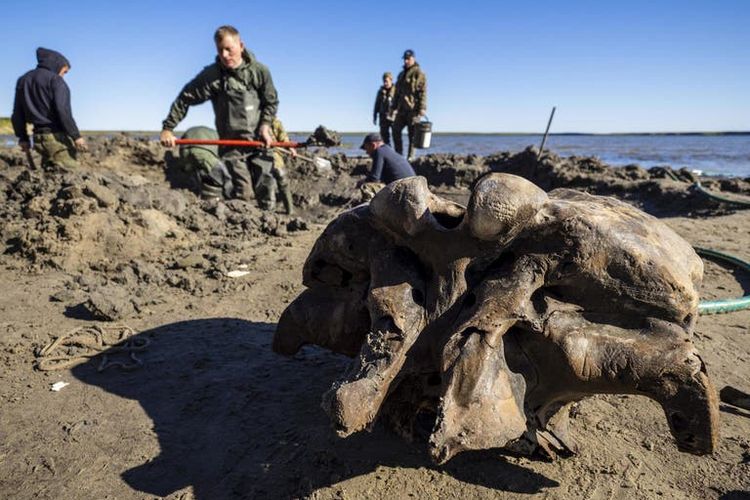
277	131
243	98
383	103
279	135
411	91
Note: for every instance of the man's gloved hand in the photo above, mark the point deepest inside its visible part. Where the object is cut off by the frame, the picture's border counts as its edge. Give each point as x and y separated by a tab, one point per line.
167	139
81	144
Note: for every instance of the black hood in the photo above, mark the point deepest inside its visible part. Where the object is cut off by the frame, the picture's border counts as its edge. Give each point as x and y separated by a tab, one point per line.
51	60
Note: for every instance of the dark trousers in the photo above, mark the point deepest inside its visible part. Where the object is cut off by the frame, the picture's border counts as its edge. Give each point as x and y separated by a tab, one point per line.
398	128
251	175
385	130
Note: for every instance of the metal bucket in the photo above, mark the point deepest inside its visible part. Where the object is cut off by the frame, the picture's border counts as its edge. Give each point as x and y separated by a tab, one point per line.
422	135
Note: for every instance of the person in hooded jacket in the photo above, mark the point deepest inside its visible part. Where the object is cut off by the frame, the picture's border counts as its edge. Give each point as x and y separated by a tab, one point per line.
245	101
43	100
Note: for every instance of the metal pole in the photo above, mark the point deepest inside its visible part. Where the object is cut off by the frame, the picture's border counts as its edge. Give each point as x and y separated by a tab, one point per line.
30	159
544	140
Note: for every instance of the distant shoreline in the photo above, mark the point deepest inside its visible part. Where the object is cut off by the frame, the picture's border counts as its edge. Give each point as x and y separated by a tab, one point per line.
6	129
509	134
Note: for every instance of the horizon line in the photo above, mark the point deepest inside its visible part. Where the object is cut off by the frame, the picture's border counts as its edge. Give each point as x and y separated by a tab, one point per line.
365	132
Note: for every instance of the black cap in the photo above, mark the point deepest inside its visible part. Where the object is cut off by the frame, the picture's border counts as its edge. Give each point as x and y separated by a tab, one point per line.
369	138
408	53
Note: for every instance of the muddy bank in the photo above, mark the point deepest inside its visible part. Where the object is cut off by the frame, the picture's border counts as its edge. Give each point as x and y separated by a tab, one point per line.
129	218
214	413
658	190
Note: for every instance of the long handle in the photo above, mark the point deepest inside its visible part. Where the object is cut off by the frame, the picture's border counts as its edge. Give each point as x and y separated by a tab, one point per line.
300	156
544	140
30	159
237	143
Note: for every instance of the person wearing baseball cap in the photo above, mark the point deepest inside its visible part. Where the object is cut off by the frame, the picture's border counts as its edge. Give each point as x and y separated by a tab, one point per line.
409	102
387	166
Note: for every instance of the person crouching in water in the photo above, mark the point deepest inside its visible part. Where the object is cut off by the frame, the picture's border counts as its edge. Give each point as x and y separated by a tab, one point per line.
387	166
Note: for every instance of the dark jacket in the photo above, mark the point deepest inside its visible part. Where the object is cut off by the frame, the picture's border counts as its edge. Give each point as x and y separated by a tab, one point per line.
243	98
383	103
388	166
411	92
43	98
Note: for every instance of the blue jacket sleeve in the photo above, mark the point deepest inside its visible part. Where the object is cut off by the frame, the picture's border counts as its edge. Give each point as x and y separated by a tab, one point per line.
62	106
377	167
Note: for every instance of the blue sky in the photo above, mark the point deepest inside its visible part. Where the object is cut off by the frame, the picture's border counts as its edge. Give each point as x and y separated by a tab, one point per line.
492	66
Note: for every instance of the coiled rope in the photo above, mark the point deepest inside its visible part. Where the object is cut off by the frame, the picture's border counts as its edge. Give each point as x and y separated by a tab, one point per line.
81	344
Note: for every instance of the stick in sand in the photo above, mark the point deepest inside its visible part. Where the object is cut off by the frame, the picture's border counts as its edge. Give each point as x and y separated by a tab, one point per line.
544	140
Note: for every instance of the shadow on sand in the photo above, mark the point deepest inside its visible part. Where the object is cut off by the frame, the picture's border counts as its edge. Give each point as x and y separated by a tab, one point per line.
235	420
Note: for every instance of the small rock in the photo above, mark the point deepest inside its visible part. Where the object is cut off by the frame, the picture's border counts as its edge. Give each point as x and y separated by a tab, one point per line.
296	224
195	259
109	304
63	296
103	196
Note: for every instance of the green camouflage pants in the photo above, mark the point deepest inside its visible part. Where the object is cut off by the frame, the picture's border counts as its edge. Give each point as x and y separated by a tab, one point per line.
57	150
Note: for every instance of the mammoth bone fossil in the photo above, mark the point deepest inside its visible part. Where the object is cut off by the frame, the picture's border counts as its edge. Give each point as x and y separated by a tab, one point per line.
486	321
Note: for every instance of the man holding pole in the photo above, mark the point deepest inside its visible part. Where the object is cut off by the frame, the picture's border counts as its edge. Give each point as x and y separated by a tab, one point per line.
244	100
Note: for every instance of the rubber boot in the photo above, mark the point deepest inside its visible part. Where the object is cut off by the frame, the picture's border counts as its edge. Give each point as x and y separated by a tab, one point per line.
286	199
210	192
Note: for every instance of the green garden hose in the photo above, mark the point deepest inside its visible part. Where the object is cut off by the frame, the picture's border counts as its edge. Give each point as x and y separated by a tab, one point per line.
723	199
724	305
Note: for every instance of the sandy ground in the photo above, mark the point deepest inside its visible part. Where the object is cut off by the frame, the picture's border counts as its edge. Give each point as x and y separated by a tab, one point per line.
213	413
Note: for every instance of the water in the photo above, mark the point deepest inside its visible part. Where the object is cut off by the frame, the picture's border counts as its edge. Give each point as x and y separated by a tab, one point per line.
711	154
